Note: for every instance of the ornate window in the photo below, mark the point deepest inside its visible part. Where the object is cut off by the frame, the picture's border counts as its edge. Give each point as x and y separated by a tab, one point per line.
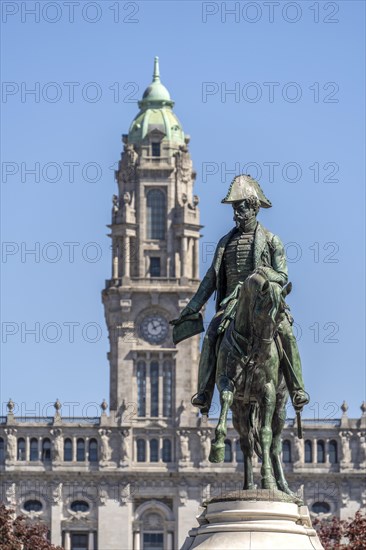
79	506
153	526
228	451
67	450
2	450
155	270
93	450
33	506
155	148
167	450
308	451
238	452
286	451
21	449
33	450
141	450
320	508
46	450
154	450
79	541
80	450
320	448
156	214
141	388
154	386
167	388
333	452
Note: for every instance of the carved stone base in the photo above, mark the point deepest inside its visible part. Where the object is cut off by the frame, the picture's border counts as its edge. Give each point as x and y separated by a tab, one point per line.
258	519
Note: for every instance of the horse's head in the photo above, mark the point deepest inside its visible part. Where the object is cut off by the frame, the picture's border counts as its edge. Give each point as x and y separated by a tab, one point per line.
264	301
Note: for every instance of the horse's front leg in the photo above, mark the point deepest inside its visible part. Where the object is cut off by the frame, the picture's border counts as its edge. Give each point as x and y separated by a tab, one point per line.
226	388
265	434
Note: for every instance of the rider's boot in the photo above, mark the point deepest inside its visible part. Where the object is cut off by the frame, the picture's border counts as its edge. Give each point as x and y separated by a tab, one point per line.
293	376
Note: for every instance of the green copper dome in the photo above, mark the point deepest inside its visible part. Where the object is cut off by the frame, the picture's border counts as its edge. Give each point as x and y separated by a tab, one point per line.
156	113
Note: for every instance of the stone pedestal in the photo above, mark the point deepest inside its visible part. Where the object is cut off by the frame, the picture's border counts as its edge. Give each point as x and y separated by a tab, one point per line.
258	519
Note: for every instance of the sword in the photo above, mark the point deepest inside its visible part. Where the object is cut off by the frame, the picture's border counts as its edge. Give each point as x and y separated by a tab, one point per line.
299	426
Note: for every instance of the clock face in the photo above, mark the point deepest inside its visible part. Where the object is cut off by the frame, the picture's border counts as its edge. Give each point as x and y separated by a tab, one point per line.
154	328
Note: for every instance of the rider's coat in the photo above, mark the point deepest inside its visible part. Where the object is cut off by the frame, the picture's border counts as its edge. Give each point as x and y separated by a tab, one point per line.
268	252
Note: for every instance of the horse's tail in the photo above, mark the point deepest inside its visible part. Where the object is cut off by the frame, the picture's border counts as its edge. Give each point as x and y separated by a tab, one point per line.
254	424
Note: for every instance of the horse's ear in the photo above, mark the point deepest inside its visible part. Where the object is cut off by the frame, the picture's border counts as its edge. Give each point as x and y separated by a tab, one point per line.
287	289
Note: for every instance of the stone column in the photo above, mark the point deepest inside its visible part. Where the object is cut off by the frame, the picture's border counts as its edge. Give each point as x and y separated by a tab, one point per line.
161	375
196	261
74	449
326	443
67	541
136	540
127	270
183	270
27	449
148	386
115	260
40	448
91	541
169	541
315	451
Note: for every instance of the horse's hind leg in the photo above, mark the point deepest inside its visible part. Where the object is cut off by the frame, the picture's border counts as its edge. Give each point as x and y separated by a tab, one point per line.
241	422
226	387
278	423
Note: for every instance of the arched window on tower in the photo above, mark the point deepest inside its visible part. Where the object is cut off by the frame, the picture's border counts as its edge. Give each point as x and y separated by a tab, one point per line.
228	451
286	451
33	450
167	388
2	450
308	451
154	450
154	385
80	450
320	451
93	450
46	450
333	452
141	388
21	449
67	450
167	450
141	450
156	214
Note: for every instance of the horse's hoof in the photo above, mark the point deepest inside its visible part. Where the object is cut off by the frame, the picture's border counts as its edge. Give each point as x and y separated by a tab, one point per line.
249	487
269	483
217	453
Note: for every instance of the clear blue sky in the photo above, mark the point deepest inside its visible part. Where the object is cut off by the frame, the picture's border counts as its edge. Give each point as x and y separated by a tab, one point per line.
297	114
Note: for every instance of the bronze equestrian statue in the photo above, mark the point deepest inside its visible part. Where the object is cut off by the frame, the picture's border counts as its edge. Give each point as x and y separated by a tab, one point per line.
249	348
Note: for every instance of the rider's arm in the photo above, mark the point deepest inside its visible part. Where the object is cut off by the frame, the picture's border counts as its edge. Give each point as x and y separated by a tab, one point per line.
204	292
278	272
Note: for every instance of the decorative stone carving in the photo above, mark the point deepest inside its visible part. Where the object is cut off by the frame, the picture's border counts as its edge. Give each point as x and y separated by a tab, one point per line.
298	448
11	444
125	447
10	406
57	493
184	453
10	495
362	448
105	449
57	444
346	450
128	163
205	440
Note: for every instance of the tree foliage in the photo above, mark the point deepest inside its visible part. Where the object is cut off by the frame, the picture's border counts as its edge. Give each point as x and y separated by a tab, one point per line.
336	534
16	533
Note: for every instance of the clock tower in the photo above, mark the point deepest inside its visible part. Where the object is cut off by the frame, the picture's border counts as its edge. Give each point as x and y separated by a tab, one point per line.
155	233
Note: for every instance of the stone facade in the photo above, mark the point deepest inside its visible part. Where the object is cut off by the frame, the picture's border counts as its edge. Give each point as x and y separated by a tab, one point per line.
133	479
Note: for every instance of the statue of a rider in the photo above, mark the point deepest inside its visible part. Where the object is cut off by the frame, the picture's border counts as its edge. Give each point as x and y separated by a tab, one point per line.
246	248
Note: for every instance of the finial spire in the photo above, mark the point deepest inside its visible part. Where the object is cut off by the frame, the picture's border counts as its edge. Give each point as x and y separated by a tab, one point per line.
156	75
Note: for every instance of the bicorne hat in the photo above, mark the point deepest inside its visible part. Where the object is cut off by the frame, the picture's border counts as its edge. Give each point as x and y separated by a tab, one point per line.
243	187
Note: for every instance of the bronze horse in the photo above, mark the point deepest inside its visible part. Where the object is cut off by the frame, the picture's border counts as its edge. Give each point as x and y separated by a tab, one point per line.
251	383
